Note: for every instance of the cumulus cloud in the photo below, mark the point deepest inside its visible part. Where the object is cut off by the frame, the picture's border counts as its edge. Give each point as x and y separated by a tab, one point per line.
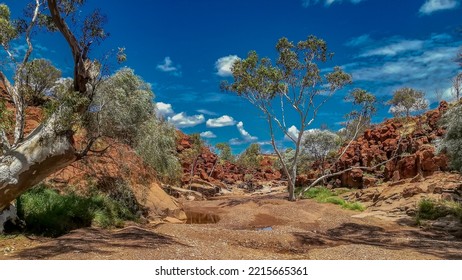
431	6
293	132
307	3
221	121
244	134
169	67
182	120
208	134
164	109
224	64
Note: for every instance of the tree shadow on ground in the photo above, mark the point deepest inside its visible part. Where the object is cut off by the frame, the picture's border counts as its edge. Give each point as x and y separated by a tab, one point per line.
100	242
441	245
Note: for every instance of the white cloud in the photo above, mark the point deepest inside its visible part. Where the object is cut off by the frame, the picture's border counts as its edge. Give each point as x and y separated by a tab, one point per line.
429	64
224	64
182	120
307	3
358	41
221	121
235	142
431	6
164	109
395	48
208	134
168	67
428	68
293	132
206	112
245	135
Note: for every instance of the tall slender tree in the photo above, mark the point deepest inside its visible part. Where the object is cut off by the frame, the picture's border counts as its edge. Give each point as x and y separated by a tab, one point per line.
294	83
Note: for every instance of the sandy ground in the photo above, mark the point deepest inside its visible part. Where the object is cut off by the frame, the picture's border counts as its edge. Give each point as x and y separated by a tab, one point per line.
246	228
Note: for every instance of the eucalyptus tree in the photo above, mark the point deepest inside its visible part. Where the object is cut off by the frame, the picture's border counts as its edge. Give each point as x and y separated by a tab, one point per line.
225	152
37	80
452	142
294	83
27	160
407	100
457	86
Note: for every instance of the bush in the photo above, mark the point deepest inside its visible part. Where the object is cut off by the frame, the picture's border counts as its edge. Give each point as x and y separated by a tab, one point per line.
428	209
324	195
452	142
355	206
49	213
37	79
121	105
156	144
225	152
250	158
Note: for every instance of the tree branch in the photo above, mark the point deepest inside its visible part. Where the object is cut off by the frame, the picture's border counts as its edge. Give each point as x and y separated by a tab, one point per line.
81	76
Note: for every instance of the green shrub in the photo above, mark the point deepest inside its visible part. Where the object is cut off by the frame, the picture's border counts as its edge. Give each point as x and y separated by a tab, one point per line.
49	213
318	193
428	209
452	143
250	158
335	200
355	206
156	144
324	195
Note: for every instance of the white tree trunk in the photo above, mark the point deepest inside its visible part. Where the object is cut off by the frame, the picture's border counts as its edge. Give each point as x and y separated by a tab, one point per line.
46	150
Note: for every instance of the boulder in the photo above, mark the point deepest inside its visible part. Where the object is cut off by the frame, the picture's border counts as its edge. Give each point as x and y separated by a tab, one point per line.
352	179
158	203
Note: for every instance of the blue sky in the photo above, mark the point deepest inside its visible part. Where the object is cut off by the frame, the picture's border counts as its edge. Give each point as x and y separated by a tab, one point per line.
185	48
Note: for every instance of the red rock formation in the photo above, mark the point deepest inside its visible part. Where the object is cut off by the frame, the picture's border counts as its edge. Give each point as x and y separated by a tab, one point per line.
208	168
408	155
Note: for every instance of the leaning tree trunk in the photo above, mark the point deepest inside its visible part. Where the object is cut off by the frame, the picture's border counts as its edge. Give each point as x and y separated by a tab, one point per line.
46	150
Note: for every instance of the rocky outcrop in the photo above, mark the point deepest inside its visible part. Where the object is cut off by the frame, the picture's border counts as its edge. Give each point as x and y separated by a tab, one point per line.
207	167
405	147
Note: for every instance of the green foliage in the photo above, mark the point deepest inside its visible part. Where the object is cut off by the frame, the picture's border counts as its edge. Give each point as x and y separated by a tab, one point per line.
355	206
197	143
8	31
65	102
156	144
320	194
324	195
47	212
250	158
407	100
452	142
122	103
428	209
317	144
36	79
298	83
358	120
6	117
225	152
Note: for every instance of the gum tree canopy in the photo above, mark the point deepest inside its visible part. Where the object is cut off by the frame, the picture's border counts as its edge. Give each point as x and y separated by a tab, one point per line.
26	160
294	83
